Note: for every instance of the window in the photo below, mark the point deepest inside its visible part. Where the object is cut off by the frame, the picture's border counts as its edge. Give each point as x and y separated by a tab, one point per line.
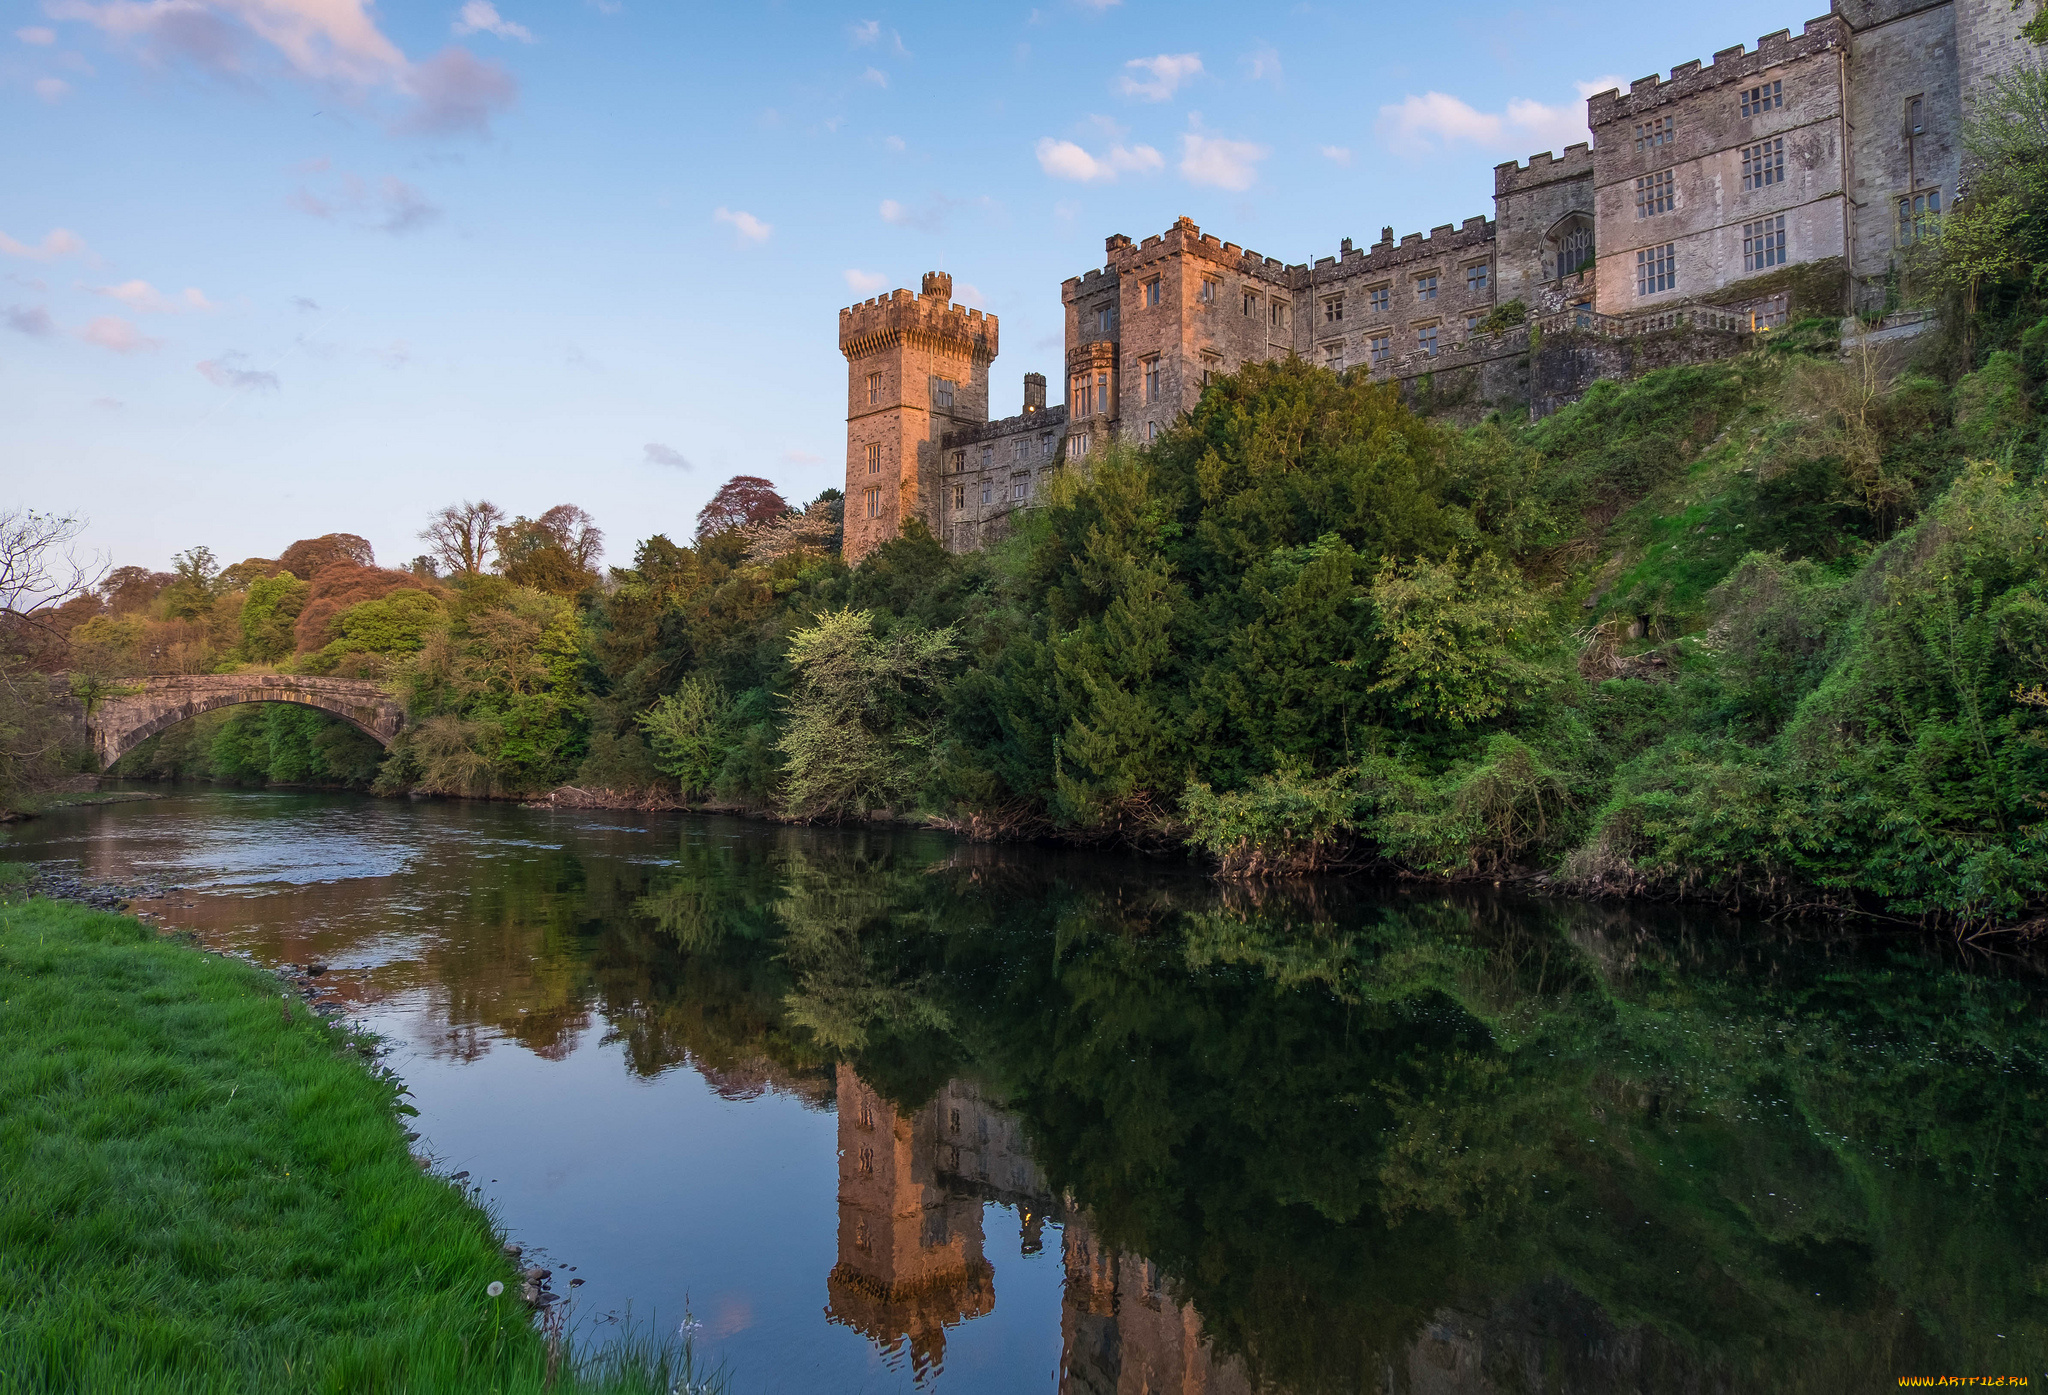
988	490
1758	100
1425	287
954	1120
1209	289
874	460
1151	431
1102	393
959	496
874	389
1653	194
1918	214
1425	340
1333	357
1251	305
1575	248
1379	298
988	456
1278	314
1475	279
1651	134
1915	109
1105	319
867	1160
1077	446
1763	163
1045	446
959	461
873	495
1211	365
1022	449
1763	243
942	391
1151	380
1473	321
1084	396
1152	291
1653	270
1333	309
1020	486
1382	347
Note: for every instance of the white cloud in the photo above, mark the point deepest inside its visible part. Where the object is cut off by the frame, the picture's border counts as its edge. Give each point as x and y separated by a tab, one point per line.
52	89
967	293
1263	64
140	295
875	76
57	242
326	40
113	332
865	282
1168	71
1220	163
894	144
37	35
864	33
1423	125
1062	159
1339	154
655	453
482	17
222	372
749	228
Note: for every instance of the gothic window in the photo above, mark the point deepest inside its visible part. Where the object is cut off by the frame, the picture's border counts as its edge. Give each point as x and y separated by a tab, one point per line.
1917	215
1425	287
1758	100
1653	194
1379	298
1763	164
875	460
1915	109
1654	272
1763	243
1570	245
1475	279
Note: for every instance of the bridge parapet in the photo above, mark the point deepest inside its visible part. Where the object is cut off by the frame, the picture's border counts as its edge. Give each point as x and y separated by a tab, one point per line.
143	707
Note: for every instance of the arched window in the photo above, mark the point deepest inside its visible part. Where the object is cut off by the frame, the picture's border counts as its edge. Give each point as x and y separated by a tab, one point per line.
1569	247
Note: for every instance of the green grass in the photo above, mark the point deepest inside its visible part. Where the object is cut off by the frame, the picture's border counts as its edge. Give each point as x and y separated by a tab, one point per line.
197	1195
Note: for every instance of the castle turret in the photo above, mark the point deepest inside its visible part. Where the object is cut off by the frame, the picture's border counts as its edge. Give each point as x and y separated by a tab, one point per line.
916	367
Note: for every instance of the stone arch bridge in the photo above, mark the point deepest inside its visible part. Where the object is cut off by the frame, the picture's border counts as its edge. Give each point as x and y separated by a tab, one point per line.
140	708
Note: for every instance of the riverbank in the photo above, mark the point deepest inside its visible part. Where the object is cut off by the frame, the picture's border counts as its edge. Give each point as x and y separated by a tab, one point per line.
205	1187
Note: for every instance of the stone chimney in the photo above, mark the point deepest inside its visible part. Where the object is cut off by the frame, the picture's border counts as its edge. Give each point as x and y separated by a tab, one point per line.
1034	392
938	285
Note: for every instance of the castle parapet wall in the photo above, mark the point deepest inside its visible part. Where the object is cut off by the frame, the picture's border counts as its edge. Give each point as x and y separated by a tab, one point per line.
901	317
1646	94
1543	169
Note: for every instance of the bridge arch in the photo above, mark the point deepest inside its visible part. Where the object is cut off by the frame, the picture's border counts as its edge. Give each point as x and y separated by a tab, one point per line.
123	721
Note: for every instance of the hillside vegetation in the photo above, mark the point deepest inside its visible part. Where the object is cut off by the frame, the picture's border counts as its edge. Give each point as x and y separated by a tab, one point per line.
1774	628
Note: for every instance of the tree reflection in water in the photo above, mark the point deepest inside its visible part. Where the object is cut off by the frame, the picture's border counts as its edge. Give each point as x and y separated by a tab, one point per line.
1331	1138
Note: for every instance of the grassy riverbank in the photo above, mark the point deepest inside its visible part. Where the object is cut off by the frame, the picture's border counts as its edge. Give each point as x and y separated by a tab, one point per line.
201	1192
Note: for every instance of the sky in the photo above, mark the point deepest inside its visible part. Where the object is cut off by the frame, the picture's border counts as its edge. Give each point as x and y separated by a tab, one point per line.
277	268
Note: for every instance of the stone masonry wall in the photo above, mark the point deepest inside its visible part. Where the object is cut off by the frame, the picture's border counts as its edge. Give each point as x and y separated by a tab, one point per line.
1392	293
1531	203
1896	53
1704	154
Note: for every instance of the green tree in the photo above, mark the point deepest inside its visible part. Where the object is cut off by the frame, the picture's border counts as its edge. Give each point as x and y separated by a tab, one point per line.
860	713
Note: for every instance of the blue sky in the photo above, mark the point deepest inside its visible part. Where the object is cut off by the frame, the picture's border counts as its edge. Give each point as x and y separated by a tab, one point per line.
274	268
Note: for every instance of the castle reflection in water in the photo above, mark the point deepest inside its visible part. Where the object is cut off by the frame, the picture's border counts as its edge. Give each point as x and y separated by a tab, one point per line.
912	1195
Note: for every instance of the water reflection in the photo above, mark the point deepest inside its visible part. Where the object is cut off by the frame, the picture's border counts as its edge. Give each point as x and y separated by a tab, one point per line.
1311	1140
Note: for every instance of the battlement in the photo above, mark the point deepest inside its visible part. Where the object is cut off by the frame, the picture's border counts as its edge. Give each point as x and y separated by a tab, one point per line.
899	315
1444	240
1183	238
1828	33
1544	168
1034	423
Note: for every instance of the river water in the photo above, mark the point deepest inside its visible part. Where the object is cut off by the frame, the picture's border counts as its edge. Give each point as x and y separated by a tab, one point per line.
884	1111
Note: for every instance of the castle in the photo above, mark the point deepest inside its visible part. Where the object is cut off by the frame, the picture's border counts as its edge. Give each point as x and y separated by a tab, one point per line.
1773	182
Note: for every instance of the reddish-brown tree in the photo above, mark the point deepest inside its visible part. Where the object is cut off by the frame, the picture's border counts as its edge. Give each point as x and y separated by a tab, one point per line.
741	500
308	557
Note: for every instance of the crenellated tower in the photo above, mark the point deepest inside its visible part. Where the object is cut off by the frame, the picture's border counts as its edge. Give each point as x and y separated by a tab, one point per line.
916	367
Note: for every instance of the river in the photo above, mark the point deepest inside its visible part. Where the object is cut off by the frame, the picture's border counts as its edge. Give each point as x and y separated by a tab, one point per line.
885	1111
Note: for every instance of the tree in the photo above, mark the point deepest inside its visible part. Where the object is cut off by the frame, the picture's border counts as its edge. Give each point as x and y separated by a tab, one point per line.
741	500
311	556
556	552
459	536
688	729
39	567
39	571
862	711
576	532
